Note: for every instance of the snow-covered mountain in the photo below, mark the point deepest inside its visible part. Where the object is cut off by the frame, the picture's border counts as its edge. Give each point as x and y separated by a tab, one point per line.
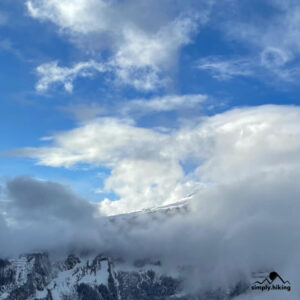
157	214
36	276
100	277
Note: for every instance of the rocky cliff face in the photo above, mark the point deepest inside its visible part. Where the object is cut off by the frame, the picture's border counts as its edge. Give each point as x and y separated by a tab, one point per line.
35	276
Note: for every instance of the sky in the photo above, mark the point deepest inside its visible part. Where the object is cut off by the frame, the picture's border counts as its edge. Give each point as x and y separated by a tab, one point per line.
91	90
114	106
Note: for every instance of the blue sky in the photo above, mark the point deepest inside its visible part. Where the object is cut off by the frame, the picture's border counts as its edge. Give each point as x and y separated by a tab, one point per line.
91	89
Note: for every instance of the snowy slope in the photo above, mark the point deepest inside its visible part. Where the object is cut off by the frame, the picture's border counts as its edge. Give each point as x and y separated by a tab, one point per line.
35	276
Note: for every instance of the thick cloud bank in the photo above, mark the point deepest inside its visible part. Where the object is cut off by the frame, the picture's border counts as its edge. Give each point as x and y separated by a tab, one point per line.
245	211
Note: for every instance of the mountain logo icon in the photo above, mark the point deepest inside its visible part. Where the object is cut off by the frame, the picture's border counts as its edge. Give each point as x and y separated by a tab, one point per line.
272	276
273	281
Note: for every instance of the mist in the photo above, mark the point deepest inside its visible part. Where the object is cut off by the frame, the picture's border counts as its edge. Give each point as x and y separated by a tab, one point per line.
232	229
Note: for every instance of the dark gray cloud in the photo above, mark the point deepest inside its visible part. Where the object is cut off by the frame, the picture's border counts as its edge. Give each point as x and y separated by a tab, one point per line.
42	215
30	198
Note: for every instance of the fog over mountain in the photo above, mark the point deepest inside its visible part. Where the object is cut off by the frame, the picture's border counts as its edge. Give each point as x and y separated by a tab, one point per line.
243	219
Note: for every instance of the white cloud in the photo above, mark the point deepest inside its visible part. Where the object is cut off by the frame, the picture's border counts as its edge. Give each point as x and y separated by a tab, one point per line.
101	141
141	78
143	183
77	16
146	164
242	142
128	150
51	73
142	49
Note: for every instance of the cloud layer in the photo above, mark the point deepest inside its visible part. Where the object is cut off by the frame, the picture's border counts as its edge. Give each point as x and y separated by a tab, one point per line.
233	229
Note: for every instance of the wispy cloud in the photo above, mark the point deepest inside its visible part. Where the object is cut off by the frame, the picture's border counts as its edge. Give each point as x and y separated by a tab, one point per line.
162	104
271	66
51	73
223	69
272	42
